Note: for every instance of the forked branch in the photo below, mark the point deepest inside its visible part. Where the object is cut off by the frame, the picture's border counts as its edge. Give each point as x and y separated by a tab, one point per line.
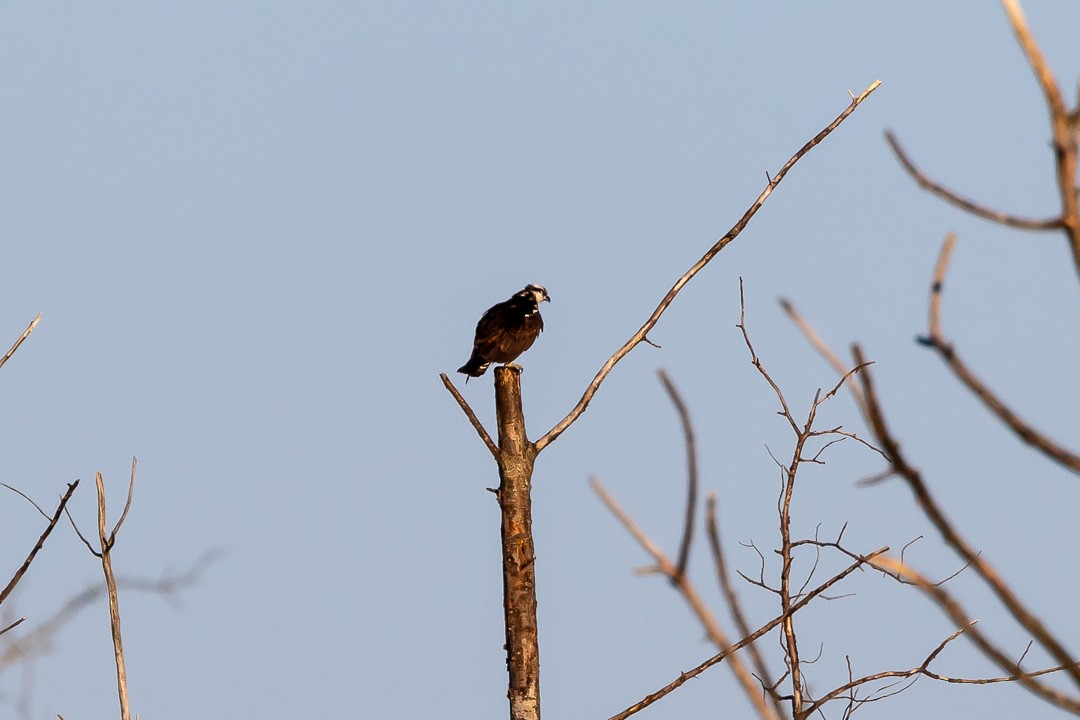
106	539
945	349
1064	123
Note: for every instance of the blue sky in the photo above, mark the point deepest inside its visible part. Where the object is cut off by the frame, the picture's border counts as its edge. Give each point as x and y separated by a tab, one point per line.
258	231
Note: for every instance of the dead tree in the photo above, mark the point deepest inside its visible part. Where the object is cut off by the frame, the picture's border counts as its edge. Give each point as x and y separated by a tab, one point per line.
515	456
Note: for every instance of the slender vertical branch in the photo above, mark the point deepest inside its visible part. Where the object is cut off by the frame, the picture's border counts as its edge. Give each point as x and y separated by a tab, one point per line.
791	645
516	457
107	540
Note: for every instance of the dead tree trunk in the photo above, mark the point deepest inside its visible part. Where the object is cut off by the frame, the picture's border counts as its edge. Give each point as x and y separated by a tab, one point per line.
516	456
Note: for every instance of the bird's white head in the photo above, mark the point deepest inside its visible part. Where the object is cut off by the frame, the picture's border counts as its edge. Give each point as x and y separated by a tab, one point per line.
537	292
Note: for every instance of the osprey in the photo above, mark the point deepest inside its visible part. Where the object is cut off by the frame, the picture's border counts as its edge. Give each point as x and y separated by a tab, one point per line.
506	330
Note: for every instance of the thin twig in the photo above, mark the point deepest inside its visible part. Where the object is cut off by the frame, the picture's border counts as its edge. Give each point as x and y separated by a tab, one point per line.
127	503
27	498
785	411
720	244
78	532
40	542
691	473
479	426
945	349
26	334
953	197
923	669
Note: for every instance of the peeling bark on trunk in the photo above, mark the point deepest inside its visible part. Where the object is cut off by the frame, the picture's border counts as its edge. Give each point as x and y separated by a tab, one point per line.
516	456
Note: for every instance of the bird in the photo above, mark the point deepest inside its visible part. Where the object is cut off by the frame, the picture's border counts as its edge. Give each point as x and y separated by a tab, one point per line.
506	330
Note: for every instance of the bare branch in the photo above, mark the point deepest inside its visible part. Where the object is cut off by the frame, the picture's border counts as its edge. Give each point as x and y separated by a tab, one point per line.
847	689
127	504
945	349
1062	125
40	542
26	334
477	425
756	362
107	542
791	646
803	434
78	532
958	615
853	683
13	625
1039	65
723	654
953	197
691	473
876	420
720	244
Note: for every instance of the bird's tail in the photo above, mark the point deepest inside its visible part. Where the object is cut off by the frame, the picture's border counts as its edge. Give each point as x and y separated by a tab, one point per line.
474	368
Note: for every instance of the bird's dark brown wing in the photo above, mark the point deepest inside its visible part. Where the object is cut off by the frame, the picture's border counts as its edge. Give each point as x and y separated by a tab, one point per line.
505	331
